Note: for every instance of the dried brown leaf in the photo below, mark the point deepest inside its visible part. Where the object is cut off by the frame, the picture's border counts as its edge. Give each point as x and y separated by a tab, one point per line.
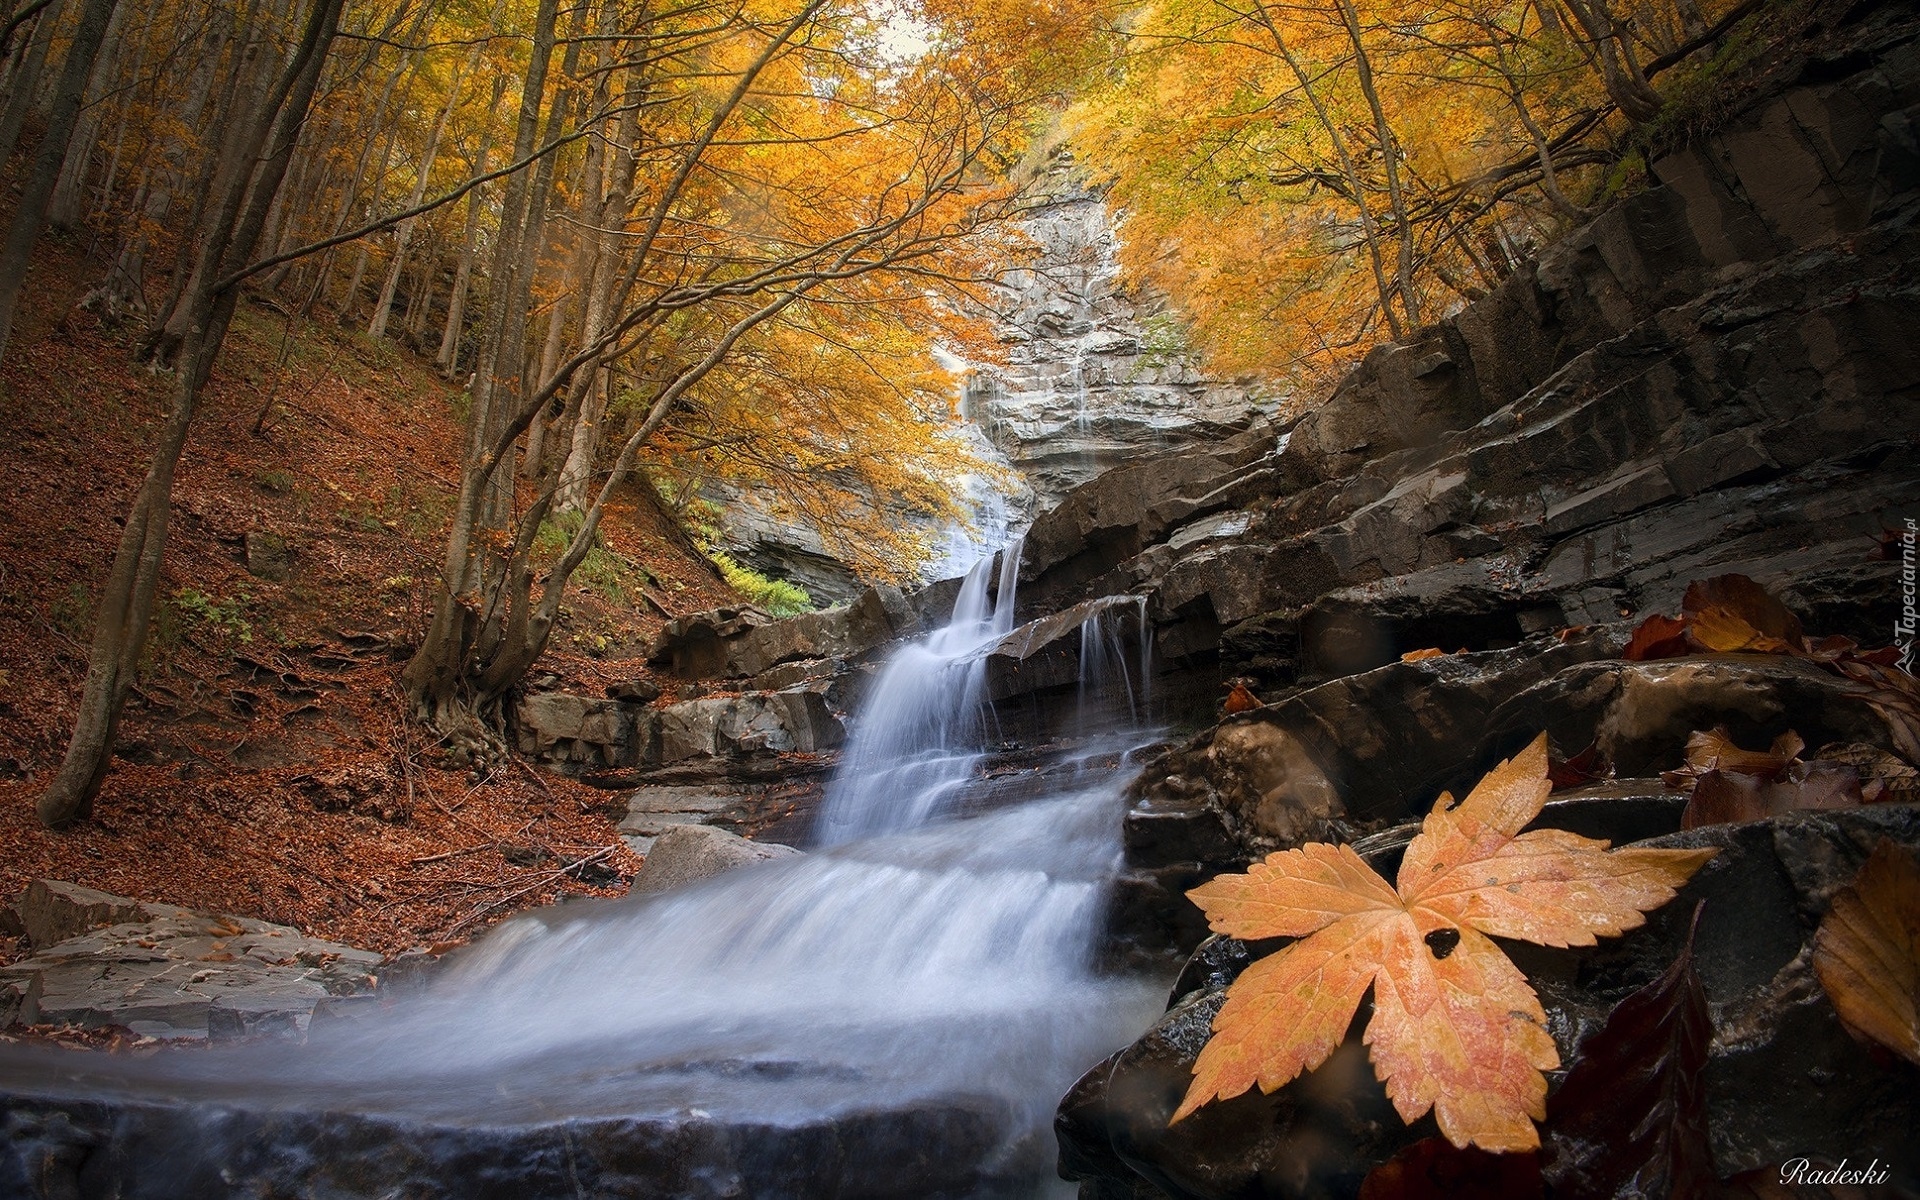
1867	951
1733	613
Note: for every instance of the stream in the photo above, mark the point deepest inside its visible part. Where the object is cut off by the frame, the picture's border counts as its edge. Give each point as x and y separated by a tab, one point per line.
922	986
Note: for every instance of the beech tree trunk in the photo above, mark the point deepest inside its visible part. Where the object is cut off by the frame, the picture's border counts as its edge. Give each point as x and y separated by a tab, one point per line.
449	357
125	607
64	210
31	213
25	83
377	327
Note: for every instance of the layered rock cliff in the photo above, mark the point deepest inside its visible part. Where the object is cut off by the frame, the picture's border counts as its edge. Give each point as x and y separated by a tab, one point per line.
1097	375
1716	376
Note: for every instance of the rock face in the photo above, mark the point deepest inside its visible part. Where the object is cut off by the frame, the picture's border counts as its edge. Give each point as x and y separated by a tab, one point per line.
1098	373
167	972
1709	377
1763	895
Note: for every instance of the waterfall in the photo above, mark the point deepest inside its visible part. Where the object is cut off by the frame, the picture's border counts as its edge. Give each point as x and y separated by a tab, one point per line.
1108	680
926	721
914	965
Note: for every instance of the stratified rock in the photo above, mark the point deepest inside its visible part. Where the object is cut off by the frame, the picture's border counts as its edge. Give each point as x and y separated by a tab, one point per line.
685	854
1321	1134
732	643
51	911
581	732
1045	653
171	973
1708	378
1097	373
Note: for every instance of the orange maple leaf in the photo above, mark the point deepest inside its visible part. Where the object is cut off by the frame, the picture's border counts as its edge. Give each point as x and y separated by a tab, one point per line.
1456	1028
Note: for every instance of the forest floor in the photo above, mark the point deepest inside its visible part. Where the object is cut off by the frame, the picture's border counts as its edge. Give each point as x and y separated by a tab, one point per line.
266	765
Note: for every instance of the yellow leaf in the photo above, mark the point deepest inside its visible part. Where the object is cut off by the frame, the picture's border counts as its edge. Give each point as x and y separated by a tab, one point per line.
1456	1028
1867	951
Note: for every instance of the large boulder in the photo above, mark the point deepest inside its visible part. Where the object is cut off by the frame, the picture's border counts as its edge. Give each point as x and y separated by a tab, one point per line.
685	854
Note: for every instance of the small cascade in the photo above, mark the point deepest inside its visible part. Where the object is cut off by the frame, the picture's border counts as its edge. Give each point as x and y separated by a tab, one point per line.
1114	684
926	722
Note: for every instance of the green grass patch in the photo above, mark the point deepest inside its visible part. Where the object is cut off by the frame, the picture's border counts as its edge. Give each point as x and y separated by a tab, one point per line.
777	596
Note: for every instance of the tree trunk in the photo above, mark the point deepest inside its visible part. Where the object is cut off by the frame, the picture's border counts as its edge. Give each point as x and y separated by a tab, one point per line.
1390	152
126	605
26	81
1356	186
64	210
31	212
377	328
437	679
124	287
590	391
448	360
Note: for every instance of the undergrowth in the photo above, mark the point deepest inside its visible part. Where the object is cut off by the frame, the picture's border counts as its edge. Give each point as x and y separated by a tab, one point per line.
777	596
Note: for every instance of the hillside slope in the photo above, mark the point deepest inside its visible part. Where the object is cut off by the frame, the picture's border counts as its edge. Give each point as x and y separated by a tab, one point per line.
264	766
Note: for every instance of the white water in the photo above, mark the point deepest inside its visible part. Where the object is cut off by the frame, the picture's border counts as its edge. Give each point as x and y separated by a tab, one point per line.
926	724
915	960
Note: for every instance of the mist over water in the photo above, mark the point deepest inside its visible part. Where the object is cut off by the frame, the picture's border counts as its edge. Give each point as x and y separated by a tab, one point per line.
913	960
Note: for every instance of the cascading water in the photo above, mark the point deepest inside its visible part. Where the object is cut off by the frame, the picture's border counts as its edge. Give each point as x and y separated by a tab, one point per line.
914	966
927	721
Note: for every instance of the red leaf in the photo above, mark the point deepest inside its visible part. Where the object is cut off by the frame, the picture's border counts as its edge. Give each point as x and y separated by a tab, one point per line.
1240	700
1631	1116
1657	637
1585	767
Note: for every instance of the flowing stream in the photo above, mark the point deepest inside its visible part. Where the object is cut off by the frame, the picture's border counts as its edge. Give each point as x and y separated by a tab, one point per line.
916	959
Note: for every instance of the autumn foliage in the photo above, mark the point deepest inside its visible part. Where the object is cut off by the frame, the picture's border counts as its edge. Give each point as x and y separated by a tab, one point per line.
1307	179
1456	1028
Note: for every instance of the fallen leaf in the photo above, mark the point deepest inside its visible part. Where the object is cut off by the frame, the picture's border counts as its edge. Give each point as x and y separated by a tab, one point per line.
1423	655
1884	778
1727	784
217	956
1726	797
1240	700
1630	1118
1588	766
1867	951
1730	613
1435	1169
1894	694
1715	750
1456	1029
1657	637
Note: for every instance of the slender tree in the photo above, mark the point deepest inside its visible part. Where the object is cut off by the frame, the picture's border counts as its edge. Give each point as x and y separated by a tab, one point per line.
125	607
31	213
